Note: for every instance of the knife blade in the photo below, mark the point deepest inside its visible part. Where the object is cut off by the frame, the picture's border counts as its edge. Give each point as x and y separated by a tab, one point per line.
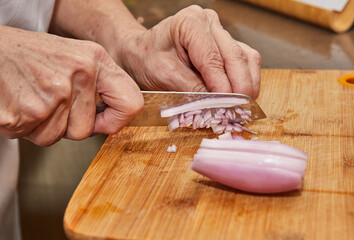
155	101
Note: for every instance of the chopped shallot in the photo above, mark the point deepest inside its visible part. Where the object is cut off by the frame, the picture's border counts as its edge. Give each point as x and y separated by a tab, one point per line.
228	136
172	148
225	136
222	115
253	166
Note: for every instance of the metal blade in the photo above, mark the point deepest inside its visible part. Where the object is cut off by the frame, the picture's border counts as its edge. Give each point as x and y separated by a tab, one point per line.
155	101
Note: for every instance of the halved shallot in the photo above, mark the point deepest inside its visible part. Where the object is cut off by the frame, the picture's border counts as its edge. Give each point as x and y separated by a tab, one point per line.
221	114
252	166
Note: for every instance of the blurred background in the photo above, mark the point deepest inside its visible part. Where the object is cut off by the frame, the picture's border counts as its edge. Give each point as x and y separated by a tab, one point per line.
49	176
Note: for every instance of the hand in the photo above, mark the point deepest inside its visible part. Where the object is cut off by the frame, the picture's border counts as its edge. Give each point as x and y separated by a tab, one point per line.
48	87
190	51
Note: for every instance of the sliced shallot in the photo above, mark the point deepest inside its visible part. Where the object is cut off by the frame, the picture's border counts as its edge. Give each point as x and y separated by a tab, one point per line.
221	114
205	103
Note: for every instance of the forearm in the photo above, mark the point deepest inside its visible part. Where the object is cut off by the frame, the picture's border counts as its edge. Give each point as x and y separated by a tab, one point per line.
105	22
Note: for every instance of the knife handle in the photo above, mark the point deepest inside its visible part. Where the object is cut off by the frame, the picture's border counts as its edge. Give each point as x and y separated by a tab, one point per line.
100	105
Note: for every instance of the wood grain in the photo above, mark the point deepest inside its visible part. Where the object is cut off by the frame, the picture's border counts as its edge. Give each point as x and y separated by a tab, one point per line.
134	189
336	21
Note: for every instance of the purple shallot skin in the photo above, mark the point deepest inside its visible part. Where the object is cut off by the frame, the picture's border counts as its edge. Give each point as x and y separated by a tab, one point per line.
249	165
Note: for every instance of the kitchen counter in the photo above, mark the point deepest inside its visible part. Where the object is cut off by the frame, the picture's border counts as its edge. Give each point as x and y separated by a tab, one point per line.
283	42
50	175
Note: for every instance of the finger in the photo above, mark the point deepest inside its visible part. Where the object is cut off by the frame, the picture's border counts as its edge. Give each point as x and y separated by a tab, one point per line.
29	115
52	129
176	76
254	64
121	95
253	57
187	80
81	118
196	37
235	60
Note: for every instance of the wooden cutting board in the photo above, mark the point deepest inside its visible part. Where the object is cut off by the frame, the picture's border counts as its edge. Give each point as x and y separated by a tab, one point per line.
135	189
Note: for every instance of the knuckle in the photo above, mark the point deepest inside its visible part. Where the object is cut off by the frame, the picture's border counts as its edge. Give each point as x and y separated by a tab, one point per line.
95	47
238	53
193	9
136	105
89	63
61	90
86	60
84	63
9	121
32	112
212	13
84	78
256	57
12	128
98	50
214	60
38	112
194	13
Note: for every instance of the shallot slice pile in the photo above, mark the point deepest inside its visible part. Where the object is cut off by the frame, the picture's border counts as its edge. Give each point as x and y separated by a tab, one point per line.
252	166
221	114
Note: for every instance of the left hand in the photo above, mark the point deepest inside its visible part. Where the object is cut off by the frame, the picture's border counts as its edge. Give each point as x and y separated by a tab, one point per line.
190	51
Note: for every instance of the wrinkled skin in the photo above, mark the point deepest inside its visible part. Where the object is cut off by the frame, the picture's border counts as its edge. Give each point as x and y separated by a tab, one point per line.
48	83
48	87
190	51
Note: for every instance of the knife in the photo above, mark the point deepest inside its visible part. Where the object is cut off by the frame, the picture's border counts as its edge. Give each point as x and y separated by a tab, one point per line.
155	101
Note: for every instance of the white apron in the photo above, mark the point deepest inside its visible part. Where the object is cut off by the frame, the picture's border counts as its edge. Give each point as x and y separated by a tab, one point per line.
33	15
9	163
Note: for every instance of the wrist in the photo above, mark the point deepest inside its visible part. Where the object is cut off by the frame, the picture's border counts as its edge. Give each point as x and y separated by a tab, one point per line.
108	23
121	40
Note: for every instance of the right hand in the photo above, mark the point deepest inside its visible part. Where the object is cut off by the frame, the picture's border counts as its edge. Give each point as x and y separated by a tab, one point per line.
189	51
48	86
